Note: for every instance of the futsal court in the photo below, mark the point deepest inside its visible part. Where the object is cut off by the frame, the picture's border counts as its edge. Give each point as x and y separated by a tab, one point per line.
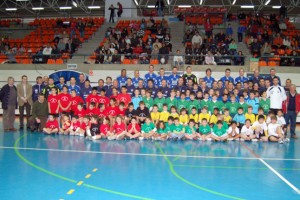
36	166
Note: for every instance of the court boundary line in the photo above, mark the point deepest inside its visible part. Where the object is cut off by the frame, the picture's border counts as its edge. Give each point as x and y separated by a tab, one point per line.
151	155
272	169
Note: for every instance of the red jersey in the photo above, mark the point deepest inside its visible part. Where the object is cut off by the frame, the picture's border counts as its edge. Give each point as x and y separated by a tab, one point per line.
66	125
92	99
64	100
75	101
83	125
125	98
104	128
112	111
104	100
76	125
114	97
80	113
119	128
94	111
52	124
137	127
53	103
103	113
121	112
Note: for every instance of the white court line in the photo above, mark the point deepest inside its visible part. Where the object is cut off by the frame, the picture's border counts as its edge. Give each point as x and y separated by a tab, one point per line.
280	176
145	154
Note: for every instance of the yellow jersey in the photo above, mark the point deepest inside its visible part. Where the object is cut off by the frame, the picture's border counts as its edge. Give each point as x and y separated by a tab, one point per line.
202	115
174	115
251	117
227	119
213	119
195	117
155	116
164	115
256	118
184	119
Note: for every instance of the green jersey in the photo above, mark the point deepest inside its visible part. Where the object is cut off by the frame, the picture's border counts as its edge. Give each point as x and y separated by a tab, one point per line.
244	106
265	104
189	130
182	104
225	125
222	106
204	129
171	102
232	107
159	102
213	105
177	128
146	128
148	102
204	103
168	127
162	131
219	132
193	104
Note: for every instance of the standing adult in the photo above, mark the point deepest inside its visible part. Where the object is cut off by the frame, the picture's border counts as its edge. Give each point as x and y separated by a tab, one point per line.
208	79
160	5
112	13
277	96
208	28
227	76
73	86
8	97
120	9
291	109
39	114
241	78
82	79
24	90
47	90
189	76
37	88
272	76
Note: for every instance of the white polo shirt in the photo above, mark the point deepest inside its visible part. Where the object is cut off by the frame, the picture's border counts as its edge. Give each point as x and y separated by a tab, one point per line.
277	95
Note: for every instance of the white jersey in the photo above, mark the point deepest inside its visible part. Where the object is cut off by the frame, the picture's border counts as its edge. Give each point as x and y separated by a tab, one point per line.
247	131
230	131
281	121
277	95
263	126
272	129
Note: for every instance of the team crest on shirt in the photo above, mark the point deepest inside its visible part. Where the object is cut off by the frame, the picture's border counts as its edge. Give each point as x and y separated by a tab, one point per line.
74	102
64	98
148	129
112	112
52	126
142	115
101	101
123	99
95	129
53	100
118	129
106	129
93	100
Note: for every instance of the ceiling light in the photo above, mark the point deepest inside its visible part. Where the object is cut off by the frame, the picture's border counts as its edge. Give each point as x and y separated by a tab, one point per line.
136	3
184	6
151	6
168	2
74	4
37	8
234	1
11	9
94	7
22	0
247	6
276	7
65	8
201	1
267	2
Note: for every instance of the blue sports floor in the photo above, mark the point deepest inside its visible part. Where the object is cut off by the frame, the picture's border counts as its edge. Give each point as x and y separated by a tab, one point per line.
35	166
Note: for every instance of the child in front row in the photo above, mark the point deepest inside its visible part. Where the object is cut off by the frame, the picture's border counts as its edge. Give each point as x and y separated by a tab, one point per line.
93	131
148	129
240	118
190	131
105	128
233	132
65	125
52	126
161	131
118	129
260	128
275	132
134	129
205	130
177	130
84	125
219	133
75	126
247	133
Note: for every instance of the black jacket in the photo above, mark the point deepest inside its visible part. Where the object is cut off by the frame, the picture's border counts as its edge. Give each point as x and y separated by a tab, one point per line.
4	96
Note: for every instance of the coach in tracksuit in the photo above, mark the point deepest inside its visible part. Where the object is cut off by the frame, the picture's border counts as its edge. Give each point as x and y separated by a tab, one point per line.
277	96
291	108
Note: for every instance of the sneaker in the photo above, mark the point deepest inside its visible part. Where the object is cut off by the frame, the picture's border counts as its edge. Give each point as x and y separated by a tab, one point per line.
72	133
286	140
200	139
141	138
242	140
94	137
81	135
280	141
209	139
230	139
254	140
89	137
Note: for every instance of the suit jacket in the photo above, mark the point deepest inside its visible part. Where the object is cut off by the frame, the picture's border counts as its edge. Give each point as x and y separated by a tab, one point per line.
20	91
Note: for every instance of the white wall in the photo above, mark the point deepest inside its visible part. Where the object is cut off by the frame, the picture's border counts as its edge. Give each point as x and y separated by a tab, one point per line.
127	12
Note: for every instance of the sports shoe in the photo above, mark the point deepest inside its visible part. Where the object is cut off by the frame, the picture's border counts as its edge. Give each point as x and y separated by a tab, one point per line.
94	137
81	135
254	140
72	133
280	141
242	140
209	139
230	139
141	138
286	140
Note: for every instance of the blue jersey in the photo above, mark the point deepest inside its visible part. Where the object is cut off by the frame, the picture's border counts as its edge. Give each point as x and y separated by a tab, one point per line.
159	79
173	80
241	80
180	88
136	101
122	80
85	92
166	91
149	76
239	118
130	90
135	81
60	86
224	78
254	103
154	91
36	90
76	88
209	81
108	90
